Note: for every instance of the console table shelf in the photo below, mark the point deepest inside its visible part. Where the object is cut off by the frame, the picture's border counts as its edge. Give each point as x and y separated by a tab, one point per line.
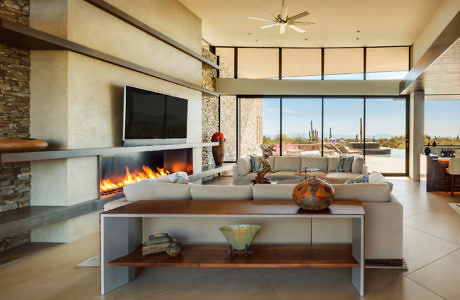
265	256
58	154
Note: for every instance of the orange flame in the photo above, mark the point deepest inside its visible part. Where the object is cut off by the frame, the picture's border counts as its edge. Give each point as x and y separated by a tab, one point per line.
136	176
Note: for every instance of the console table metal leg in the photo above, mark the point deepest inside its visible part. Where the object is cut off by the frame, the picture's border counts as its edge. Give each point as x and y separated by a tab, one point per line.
119	236
358	253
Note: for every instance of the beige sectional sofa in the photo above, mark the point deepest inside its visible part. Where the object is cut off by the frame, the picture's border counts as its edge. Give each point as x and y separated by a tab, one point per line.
284	167
383	221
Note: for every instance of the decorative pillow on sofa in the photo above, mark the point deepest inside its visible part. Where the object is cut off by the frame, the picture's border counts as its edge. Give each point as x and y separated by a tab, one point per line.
357	166
360	179
256	164
345	164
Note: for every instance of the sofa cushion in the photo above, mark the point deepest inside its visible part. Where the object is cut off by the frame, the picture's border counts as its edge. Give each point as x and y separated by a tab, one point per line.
376	177
357	166
287	163
272	191
147	190
341	177
365	192
332	164
283	175
314	162
244	165
221	192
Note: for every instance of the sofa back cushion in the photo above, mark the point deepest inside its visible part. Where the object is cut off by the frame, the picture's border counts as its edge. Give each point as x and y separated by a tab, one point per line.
151	190
221	192
272	191
287	163
317	162
365	192
357	166
332	164
376	177
244	166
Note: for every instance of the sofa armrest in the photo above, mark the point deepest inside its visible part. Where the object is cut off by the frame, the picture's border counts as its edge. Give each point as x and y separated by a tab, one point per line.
365	170
235	175
384	229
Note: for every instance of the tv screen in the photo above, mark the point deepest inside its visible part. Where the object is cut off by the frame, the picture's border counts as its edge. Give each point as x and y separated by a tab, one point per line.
154	116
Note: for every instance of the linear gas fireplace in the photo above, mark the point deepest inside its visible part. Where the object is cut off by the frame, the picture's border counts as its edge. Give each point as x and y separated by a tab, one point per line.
116	171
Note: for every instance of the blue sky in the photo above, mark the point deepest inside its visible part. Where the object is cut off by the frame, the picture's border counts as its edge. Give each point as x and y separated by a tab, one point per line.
385	117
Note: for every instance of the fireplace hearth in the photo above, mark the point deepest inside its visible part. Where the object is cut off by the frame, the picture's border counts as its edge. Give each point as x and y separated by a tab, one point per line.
116	171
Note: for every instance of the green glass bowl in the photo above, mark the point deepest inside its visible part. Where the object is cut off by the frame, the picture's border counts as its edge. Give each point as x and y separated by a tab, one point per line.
240	236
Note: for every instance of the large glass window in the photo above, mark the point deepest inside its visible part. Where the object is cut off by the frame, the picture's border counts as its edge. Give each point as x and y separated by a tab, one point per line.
271	127
386	134
258	63
301	64
442	122
251	125
343	125
343	63
226	62
387	62
302	126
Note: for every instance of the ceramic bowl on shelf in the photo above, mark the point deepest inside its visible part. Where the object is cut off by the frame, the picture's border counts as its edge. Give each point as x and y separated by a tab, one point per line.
240	236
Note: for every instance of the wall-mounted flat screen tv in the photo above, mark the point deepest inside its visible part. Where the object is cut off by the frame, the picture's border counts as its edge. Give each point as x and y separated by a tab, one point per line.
152	118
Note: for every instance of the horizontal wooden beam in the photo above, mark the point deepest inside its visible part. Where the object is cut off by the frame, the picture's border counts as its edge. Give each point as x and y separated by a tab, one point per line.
146	28
24	37
60	154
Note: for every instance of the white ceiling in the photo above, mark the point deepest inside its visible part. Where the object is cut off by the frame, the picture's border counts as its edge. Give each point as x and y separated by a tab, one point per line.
381	22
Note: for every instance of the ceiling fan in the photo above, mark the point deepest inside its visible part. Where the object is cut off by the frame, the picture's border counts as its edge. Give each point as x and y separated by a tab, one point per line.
282	20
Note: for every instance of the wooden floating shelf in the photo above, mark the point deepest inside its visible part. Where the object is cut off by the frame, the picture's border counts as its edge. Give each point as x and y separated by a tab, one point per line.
59	154
24	37
107	7
265	256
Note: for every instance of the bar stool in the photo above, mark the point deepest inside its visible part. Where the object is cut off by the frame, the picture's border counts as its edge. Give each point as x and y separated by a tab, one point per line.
453	170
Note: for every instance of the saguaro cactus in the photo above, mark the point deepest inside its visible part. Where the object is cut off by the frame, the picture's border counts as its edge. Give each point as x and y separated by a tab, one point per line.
361	130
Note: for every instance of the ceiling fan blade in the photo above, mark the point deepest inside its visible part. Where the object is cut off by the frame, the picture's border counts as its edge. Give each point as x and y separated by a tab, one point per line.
260	19
297	28
284	12
282	28
303	23
267	26
298	16
266	12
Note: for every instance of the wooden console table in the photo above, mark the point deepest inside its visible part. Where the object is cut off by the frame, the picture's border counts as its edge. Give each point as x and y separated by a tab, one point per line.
121	237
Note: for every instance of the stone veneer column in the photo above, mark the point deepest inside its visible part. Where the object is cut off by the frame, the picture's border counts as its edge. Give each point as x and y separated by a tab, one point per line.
14	118
417	122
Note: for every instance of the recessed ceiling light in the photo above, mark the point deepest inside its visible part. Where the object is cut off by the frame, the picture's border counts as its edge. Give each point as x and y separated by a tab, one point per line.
357	38
358	31
306	39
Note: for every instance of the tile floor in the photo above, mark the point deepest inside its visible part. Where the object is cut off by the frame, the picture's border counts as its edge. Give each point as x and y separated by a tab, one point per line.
431	249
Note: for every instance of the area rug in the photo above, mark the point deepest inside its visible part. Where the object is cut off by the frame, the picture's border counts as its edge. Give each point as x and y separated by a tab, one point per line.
92	262
455	206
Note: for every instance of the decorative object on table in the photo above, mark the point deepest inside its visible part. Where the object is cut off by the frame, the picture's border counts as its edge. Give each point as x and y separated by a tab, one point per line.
22	145
175	248
156	243
218	151
266	151
240	237
313	194
427	150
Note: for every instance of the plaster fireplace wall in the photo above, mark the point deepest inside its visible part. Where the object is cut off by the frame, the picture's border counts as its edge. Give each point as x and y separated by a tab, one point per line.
76	101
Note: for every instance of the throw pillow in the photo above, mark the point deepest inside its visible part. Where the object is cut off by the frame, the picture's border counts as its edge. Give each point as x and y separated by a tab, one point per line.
256	164
345	164
357	166
361	179
350	181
